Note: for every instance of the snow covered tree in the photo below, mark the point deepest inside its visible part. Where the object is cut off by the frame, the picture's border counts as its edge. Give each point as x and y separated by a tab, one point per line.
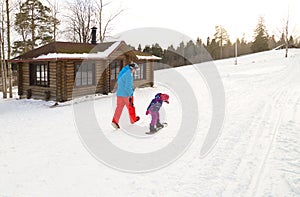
261	37
33	23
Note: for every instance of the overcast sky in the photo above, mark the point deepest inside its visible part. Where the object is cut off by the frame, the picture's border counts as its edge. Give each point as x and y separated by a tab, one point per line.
198	18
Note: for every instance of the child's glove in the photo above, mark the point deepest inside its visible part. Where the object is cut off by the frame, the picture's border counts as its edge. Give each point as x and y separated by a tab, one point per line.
147	112
167	102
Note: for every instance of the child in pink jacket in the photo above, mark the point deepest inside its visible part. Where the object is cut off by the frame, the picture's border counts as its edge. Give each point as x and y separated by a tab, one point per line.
153	110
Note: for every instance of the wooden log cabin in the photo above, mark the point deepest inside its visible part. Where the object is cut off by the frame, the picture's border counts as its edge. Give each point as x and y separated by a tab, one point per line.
61	71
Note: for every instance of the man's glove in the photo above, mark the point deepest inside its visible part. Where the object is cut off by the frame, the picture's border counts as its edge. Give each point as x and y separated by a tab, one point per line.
147	112
131	100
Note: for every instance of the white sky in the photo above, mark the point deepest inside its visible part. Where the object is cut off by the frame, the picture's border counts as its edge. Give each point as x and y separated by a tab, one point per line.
198	18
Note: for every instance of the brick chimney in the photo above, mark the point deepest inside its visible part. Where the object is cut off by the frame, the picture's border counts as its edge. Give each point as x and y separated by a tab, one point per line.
93	35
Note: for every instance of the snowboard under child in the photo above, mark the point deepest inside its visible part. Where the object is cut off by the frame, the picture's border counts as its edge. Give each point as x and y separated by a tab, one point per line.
153	110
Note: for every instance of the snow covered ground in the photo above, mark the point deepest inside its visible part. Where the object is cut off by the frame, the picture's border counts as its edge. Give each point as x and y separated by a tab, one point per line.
256	154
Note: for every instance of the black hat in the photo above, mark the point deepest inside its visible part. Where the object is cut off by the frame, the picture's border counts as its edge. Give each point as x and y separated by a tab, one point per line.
133	66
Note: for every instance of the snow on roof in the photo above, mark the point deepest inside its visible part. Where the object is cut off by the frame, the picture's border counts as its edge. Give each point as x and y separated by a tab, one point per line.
98	55
152	57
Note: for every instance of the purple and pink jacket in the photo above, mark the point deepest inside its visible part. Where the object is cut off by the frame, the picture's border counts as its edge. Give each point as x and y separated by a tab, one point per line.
156	103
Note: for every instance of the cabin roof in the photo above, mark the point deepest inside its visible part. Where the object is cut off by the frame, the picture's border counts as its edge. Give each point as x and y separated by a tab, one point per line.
69	50
78	51
145	56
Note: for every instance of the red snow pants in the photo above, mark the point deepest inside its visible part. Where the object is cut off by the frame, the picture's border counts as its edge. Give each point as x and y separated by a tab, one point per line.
121	102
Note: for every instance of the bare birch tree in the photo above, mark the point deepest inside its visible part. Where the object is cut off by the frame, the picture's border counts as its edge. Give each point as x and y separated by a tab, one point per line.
105	26
2	56
84	16
54	11
8	49
81	19
286	37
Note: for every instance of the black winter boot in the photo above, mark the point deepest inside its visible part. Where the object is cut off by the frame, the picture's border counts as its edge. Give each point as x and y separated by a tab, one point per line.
159	125
152	129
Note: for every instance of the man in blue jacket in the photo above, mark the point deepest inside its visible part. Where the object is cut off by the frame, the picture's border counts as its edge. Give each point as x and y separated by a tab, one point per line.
125	95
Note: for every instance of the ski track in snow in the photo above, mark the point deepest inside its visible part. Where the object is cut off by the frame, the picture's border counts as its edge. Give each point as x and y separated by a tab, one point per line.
261	143
257	153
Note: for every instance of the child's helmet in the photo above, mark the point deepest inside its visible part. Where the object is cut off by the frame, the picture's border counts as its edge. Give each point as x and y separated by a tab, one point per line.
164	97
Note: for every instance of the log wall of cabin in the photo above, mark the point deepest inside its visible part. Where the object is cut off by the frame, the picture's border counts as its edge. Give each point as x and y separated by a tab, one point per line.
37	92
148	82
101	79
102	76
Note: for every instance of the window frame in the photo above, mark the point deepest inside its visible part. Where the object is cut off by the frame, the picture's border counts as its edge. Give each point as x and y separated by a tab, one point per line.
83	69
115	68
140	73
41	78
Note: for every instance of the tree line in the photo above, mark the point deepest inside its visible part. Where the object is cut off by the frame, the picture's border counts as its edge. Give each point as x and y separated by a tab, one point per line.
219	46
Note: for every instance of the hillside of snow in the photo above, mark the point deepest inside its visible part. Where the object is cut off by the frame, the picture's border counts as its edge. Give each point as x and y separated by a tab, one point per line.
44	150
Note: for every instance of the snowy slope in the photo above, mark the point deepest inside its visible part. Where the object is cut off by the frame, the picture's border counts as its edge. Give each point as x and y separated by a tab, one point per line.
256	154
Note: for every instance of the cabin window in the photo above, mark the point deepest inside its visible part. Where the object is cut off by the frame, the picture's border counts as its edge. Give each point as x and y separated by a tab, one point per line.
140	73
39	74
115	67
85	74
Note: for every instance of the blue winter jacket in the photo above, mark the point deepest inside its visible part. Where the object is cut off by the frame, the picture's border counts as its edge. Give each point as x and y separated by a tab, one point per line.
125	82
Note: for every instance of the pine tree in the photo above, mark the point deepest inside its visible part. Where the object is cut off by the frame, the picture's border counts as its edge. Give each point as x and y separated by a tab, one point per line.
156	50
261	37
180	49
221	37
190	50
245	47
147	49
33	23
272	42
282	40
212	49
207	41
139	47
291	41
